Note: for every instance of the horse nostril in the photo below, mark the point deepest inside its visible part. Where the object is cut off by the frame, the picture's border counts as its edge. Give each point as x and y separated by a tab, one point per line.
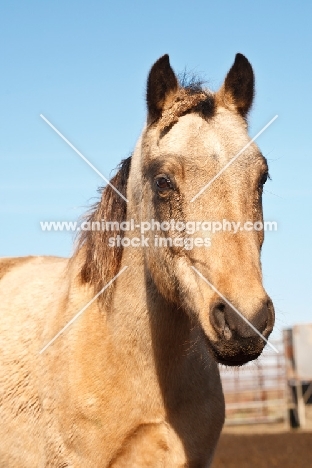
227	323
218	320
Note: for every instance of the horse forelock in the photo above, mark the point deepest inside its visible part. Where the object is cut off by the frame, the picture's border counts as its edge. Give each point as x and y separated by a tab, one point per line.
186	100
99	261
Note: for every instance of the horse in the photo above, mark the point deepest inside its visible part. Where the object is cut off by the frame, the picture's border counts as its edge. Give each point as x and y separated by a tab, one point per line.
133	381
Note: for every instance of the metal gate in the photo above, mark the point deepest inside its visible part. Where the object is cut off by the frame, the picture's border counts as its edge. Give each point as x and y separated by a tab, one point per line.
257	392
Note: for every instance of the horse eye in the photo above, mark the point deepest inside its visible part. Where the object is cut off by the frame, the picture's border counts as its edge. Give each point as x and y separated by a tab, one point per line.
163	183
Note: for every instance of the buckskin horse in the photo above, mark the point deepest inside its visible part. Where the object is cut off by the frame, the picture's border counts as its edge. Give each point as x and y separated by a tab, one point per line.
134	380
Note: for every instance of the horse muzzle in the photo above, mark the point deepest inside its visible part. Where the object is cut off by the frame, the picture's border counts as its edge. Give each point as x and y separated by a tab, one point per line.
239	339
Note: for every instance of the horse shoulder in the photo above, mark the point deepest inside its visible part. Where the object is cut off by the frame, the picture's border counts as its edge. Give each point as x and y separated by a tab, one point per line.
27	289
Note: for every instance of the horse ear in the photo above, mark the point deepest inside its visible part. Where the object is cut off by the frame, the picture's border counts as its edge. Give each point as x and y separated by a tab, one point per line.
161	86
238	88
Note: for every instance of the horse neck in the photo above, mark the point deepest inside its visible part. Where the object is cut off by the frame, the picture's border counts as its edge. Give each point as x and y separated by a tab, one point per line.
146	321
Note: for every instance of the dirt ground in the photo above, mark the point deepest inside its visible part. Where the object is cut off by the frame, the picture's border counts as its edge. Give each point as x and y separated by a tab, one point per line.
269	450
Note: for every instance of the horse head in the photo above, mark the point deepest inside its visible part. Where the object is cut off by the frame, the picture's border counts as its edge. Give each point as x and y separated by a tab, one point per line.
183	177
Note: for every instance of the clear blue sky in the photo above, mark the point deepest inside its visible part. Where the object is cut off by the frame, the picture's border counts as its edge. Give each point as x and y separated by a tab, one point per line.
84	66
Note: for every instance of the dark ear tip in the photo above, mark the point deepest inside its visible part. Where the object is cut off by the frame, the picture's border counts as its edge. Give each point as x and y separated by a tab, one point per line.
160	83
239	84
161	64
239	56
240	59
163	60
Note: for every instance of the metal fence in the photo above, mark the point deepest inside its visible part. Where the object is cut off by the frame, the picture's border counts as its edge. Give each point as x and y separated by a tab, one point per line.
257	392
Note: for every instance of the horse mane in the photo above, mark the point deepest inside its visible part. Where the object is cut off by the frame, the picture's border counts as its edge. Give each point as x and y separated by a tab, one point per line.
100	262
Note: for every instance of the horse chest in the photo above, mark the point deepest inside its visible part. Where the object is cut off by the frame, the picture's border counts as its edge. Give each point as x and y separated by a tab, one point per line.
139	434
154	444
